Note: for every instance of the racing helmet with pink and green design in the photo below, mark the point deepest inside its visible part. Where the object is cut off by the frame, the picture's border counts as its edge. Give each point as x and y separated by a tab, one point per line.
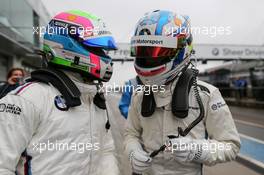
79	41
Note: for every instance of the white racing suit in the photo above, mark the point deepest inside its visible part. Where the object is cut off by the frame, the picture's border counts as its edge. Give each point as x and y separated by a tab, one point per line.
54	141
217	126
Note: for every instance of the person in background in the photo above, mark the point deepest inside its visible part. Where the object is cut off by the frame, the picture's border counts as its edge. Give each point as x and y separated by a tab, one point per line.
14	79
125	100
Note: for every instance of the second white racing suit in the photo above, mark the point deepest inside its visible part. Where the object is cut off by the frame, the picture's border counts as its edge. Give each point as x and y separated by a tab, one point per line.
149	133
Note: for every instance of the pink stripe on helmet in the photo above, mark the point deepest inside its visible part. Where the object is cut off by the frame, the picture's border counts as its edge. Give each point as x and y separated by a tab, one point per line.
86	23
96	61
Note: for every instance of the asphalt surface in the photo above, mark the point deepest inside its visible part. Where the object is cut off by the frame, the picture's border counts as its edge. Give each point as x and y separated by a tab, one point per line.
250	130
249	122
233	168
250	115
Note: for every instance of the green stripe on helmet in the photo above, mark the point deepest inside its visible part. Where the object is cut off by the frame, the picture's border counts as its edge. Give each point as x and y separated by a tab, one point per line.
64	62
84	14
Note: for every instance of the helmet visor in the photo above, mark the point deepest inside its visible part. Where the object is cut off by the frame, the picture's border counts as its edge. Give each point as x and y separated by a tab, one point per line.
105	42
150	62
154	51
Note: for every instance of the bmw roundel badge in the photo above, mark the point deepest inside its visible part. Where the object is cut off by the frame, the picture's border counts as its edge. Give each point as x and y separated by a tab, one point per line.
60	103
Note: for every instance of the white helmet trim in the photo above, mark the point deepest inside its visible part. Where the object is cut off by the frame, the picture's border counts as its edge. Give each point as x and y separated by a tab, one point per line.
154	41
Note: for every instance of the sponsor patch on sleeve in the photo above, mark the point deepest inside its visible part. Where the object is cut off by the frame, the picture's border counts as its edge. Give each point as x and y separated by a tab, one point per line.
217	105
10	108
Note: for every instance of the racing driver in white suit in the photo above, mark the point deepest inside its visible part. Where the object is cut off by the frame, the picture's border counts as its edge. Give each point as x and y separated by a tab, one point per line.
57	124
187	120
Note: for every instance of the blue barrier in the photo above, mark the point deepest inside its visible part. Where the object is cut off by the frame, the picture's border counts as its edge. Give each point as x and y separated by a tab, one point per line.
252	148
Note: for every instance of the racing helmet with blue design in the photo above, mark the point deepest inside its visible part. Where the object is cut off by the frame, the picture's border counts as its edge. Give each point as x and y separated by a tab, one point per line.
79	41
162	46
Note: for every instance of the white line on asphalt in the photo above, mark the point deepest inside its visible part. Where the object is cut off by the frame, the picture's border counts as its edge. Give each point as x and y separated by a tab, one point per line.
249	123
251	138
254	161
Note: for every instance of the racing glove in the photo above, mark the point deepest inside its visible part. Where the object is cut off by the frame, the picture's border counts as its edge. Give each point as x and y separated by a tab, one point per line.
186	149
140	161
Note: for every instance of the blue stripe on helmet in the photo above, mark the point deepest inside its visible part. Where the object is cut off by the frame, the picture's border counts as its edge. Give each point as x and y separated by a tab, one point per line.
105	42
67	42
179	57
164	17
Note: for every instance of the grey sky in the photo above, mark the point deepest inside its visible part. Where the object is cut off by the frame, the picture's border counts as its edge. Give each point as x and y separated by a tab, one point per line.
245	17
